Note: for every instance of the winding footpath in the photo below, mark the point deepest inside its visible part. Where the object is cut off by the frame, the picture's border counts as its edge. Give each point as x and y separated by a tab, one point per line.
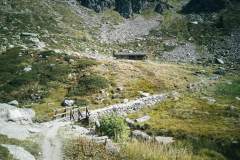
52	144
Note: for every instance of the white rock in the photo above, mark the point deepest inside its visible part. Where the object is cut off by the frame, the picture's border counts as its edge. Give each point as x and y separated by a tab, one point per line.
29	34
144	94
20	115
194	22
19	153
129	121
14	103
237	98
4	110
68	102
125	100
142	119
164	140
220	61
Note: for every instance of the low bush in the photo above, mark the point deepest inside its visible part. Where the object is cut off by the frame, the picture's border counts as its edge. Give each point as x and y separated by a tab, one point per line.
83	149
88	84
114	126
85	63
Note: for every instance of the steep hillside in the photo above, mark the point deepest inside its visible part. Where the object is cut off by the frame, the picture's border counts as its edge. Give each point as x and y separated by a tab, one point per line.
63	53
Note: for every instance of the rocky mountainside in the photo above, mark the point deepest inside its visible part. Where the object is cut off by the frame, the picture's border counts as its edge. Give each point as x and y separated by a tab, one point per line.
181	57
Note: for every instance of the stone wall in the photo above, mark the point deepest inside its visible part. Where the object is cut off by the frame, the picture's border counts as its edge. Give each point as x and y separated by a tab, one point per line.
126	108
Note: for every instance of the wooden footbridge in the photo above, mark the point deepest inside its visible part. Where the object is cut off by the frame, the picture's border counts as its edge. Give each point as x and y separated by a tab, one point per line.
73	113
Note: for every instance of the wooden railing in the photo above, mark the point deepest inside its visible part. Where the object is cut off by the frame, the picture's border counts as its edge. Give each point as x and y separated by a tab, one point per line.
74	113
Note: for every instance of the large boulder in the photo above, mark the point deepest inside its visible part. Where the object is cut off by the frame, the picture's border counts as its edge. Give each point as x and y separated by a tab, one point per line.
141	135
20	115
13	103
14	114
68	103
4	108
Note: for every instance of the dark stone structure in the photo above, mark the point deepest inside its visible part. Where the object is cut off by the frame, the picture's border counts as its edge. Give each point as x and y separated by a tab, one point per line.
131	56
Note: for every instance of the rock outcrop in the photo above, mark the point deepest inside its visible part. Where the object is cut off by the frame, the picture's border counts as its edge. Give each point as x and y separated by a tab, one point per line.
98	5
124	7
204	6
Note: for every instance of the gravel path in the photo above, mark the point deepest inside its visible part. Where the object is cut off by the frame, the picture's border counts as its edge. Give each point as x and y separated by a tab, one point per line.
52	144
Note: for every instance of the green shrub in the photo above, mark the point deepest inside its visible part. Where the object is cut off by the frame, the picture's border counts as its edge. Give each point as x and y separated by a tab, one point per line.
84	63
175	25
211	155
114	126
229	90
88	85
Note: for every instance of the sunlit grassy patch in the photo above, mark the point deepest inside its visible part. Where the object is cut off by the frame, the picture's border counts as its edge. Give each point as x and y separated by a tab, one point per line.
191	116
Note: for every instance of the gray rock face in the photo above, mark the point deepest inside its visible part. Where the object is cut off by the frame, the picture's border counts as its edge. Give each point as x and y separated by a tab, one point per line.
19	153
141	135
98	5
